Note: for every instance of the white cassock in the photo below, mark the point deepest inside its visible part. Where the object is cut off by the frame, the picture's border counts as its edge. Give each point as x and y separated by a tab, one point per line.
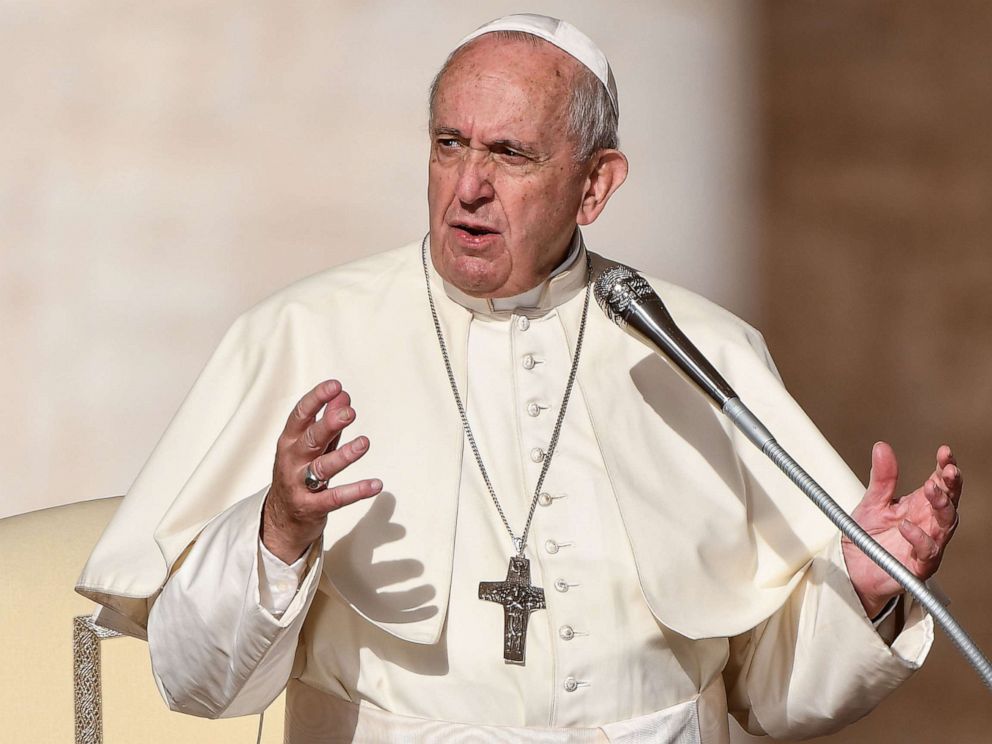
682	572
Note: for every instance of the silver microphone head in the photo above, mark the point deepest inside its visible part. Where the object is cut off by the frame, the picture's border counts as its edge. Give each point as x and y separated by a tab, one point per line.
616	288
630	302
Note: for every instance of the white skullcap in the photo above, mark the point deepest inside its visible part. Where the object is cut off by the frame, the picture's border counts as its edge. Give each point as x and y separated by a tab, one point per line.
563	35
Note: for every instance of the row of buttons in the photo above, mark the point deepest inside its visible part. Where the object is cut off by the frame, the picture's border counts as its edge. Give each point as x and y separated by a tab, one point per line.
565	632
537	455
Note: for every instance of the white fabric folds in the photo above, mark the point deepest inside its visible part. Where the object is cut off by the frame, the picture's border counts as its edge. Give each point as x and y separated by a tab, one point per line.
731	531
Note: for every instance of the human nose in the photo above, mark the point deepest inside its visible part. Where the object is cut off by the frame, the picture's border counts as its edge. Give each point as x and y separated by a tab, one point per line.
474	179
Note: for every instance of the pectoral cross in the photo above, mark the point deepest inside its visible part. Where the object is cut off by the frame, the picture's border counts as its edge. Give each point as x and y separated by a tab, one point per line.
519	599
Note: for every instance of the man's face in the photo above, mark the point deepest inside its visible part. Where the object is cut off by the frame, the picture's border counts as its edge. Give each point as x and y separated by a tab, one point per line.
504	187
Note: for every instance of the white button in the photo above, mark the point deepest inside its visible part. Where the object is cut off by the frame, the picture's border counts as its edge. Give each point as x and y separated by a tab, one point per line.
551	546
528	361
523	323
566	632
561	585
545	499
570	684
533	409
537	454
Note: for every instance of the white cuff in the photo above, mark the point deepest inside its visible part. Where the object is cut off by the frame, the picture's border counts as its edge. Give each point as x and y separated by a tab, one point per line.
278	582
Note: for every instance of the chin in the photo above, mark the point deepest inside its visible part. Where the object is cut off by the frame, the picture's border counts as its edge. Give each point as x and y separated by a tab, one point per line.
478	284
474	275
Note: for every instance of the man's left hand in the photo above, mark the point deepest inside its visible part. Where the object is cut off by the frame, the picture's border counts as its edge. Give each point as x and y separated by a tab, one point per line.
915	528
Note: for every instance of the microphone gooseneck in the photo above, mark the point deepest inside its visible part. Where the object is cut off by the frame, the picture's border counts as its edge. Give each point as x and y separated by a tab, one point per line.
630	302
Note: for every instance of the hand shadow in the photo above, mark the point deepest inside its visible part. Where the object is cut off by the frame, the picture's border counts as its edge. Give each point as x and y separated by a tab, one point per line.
351	566
364	583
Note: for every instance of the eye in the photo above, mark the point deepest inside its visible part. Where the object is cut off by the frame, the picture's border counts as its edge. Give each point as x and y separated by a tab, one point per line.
509	154
447	143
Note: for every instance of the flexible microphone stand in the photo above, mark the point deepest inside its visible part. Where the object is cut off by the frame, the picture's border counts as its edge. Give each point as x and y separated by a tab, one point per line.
630	302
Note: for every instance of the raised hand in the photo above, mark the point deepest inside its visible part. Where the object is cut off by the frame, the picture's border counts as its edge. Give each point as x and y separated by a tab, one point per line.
915	528
293	515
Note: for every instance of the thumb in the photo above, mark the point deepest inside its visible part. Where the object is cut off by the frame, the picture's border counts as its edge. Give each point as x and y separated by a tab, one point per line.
884	474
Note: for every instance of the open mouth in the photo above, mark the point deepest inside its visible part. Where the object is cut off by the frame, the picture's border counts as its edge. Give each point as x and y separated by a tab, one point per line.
474	230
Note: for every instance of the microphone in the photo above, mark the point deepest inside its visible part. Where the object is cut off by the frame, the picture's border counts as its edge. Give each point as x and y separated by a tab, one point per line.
630	302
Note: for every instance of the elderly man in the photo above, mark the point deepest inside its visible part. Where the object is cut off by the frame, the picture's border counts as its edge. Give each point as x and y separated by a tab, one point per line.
544	533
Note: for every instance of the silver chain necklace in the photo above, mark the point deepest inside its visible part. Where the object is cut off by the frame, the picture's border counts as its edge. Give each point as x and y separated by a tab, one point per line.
518	597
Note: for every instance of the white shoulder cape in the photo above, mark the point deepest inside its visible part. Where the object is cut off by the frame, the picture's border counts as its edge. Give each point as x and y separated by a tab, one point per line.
720	537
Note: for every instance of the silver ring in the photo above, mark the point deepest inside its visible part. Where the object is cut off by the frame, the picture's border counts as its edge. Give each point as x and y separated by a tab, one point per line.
312	482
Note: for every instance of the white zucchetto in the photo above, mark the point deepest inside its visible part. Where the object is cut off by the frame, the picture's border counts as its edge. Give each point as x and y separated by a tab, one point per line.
563	35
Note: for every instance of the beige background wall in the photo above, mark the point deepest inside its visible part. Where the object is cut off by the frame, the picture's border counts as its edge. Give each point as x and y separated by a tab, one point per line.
165	165
877	253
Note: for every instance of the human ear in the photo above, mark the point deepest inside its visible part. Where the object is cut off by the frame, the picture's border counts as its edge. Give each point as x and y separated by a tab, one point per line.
607	173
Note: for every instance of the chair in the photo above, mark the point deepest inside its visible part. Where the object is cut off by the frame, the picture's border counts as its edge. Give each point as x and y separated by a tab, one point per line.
56	660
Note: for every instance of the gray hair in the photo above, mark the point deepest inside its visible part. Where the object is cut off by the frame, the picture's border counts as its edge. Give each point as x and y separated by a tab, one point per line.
592	120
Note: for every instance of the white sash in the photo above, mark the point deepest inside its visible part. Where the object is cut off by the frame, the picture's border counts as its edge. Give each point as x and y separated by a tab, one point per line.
316	717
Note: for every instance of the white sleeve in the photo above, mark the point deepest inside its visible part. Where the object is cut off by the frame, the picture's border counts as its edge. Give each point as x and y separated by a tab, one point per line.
278	582
216	651
819	663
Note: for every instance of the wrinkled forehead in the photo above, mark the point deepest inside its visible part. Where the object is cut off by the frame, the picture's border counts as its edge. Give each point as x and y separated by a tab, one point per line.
527	77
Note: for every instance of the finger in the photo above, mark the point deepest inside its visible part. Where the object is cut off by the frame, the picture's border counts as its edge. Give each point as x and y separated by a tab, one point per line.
943	508
306	409
349	493
925	549
946	480
884	475
318	437
949	472
327	466
945	457
953	482
341	400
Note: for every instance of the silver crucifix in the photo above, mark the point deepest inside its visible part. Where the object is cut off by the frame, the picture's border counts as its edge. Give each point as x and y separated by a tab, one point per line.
519	599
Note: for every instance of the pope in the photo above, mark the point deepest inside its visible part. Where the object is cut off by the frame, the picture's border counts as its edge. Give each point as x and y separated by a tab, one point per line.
506	190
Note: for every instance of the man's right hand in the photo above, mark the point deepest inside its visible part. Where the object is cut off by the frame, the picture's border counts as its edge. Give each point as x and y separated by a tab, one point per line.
293	516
